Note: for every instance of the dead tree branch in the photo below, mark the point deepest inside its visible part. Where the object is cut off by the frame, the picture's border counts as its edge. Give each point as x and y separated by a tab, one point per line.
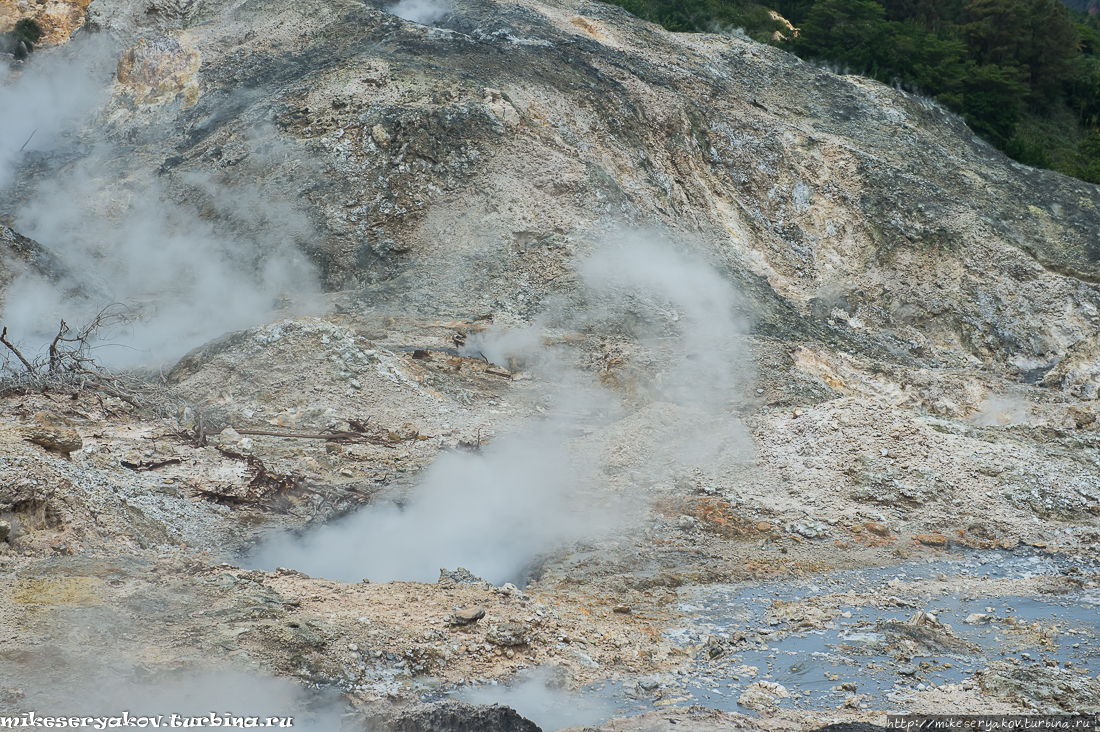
68	362
328	436
55	357
13	349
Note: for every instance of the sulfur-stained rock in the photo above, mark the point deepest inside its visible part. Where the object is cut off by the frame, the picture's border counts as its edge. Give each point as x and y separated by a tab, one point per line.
51	437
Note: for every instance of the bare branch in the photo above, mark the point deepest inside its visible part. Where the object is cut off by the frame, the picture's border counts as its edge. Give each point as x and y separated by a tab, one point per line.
55	357
4	340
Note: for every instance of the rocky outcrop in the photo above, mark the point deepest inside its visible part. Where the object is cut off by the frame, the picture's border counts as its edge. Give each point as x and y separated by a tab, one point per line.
53	433
454	716
1078	372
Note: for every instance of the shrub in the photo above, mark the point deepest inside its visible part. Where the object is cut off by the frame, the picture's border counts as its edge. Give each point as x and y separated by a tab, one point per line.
20	40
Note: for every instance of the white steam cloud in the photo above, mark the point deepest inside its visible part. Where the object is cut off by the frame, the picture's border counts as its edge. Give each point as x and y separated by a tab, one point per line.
424	12
490	513
704	363
537	699
532	492
999	411
181	274
40	103
213	697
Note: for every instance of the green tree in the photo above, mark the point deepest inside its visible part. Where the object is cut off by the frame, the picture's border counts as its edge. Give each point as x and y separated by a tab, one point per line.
1089	158
992	99
993	30
846	31
1048	49
1025	74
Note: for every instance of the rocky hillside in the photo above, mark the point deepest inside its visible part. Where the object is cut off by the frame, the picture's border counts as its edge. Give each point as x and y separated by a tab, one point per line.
780	322
482	153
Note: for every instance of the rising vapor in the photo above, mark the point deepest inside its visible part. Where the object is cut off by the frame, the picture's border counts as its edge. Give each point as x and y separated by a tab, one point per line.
424	12
181	276
531	492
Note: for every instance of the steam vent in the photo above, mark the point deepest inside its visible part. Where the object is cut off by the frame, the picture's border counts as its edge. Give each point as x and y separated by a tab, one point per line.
533	365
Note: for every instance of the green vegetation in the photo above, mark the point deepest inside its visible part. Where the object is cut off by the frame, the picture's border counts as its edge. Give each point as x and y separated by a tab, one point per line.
20	40
1024	74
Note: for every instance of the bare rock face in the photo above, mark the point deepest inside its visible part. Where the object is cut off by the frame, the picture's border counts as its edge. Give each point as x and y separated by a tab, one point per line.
160	70
895	273
1078	372
461	166
18	254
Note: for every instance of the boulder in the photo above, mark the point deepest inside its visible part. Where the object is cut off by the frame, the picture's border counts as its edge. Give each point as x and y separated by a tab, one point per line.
456	716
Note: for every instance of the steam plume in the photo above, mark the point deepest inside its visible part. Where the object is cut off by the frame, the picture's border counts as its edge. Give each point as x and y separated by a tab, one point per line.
494	513
182	277
491	513
424	12
221	693
550	708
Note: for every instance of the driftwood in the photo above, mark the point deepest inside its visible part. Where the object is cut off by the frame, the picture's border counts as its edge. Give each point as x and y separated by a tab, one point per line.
300	436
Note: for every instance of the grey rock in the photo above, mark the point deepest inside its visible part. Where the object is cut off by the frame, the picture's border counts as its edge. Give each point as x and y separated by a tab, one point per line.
1046	690
509	634
811	529
460	576
455	716
228	437
468	616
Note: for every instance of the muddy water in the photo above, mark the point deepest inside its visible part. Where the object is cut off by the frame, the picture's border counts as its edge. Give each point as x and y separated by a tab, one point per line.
878	648
874	648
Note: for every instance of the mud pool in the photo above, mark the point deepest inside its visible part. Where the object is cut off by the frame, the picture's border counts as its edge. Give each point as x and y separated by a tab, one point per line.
818	667
870	653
